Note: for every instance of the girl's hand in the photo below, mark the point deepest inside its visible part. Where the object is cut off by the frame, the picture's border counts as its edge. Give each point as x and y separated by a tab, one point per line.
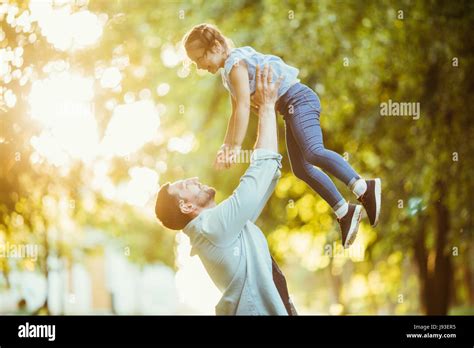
221	161
222	158
226	157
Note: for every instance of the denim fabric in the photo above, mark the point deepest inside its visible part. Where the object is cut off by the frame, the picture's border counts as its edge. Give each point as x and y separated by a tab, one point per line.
301	109
280	283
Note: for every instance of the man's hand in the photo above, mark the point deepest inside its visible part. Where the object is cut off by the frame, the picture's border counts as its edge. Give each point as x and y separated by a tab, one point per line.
266	91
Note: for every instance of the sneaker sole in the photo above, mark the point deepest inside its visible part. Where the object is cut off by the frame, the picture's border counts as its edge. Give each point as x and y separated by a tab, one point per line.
378	200
352	234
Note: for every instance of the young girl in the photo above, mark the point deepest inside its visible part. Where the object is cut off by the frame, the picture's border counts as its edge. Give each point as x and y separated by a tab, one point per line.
300	107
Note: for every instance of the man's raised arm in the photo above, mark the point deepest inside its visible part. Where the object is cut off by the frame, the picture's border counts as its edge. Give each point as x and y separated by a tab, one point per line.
265	98
257	184
267	138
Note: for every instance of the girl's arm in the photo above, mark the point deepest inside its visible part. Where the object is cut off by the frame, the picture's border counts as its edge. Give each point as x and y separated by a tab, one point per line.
239	120
224	155
230	130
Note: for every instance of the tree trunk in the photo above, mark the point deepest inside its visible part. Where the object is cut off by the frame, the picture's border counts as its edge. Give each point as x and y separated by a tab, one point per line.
421	259
442	275
435	281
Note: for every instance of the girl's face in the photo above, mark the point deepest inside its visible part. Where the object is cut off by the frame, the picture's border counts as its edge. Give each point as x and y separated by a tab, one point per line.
210	60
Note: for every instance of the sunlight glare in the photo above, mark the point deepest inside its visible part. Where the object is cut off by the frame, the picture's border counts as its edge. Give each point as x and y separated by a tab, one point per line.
64	28
163	89
182	145
195	287
62	103
111	78
170	56
131	126
142	186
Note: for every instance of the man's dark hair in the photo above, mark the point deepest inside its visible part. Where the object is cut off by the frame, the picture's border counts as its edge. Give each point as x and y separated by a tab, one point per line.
167	210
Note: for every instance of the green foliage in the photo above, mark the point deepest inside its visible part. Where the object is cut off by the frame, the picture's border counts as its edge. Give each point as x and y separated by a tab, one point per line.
355	55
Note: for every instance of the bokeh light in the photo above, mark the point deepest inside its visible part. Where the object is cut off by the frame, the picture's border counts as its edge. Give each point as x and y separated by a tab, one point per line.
64	28
63	105
131	126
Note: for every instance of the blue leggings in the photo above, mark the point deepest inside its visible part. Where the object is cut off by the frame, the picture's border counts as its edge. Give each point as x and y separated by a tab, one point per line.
300	107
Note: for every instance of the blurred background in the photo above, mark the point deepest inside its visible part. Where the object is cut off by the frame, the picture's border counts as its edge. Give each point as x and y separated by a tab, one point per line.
98	110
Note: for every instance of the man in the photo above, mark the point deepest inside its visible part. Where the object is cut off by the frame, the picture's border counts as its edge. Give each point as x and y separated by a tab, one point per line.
232	248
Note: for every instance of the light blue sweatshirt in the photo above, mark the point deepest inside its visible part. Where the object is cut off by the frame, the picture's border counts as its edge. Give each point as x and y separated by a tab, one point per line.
233	250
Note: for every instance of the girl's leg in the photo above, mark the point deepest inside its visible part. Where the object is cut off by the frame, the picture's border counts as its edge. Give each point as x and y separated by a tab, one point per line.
307	133
348	215
315	178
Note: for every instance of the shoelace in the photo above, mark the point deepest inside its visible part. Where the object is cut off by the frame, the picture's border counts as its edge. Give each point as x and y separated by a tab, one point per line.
362	198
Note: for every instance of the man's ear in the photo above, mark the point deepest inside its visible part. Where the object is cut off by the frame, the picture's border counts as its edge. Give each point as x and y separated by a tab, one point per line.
186	208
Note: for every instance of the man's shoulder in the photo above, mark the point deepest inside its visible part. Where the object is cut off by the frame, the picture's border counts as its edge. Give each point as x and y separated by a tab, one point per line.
201	225
207	221
211	227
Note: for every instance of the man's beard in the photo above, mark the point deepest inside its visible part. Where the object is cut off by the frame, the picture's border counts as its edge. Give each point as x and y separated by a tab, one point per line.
206	195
